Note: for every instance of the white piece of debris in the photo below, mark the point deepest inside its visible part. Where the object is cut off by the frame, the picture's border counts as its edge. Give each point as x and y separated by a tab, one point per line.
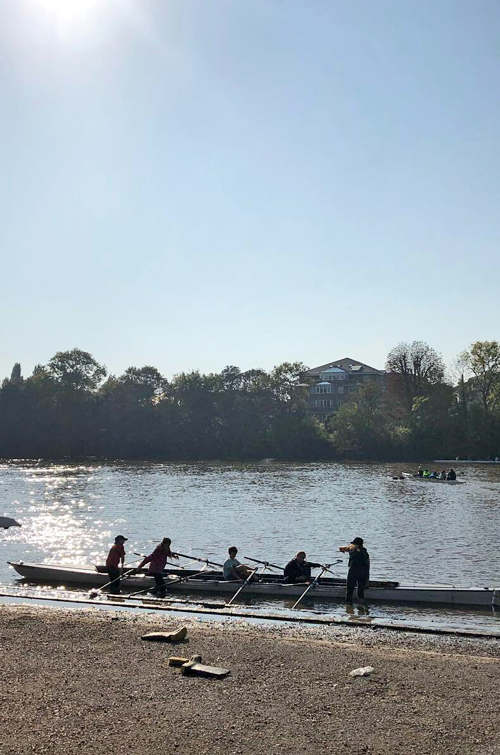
363	671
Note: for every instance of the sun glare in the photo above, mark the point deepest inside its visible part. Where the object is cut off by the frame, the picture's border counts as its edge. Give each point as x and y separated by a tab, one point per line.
70	13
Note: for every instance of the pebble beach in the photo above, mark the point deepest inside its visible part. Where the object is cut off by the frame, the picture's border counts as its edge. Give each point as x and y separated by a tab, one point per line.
83	681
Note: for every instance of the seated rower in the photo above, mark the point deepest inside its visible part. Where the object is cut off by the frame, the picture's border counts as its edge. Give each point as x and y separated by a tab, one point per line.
299	570
452	475
420	472
442	476
157	561
426	473
233	569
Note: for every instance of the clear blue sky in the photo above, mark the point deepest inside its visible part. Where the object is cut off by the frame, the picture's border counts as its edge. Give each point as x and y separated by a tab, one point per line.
195	183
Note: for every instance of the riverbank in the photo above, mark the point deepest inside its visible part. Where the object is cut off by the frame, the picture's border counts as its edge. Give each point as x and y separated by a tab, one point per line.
82	681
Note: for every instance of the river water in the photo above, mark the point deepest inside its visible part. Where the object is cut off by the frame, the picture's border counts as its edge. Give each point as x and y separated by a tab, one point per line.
414	531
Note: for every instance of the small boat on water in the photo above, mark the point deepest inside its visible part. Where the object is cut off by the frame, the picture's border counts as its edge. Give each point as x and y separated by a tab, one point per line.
270	585
466	461
418	478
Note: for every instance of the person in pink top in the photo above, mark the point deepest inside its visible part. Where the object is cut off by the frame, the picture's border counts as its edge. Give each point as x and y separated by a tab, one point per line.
157	561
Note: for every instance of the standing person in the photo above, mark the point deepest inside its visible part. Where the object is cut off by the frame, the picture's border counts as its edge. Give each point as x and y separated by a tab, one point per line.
232	568
157	561
359	569
116	556
298	569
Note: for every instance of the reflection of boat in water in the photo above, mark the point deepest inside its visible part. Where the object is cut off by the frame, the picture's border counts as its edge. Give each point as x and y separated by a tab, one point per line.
212	582
418	478
467	461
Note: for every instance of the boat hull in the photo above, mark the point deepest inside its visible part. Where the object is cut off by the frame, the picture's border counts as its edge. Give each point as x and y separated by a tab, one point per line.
408	476
436	594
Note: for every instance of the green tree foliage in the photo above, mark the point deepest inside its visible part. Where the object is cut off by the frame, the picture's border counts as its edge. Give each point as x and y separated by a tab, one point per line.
362	428
76	370
418	368
15	375
483	361
64	409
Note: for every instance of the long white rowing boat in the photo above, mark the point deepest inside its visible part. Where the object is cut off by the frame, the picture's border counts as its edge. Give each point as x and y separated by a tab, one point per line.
417	478
329	588
466	461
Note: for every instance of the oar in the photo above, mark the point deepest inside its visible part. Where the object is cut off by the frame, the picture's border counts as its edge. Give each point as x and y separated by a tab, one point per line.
245	583
96	592
309	587
170	563
338	561
266	563
200	560
177	581
281	568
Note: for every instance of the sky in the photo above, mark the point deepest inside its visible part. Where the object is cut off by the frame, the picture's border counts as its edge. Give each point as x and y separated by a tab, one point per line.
197	183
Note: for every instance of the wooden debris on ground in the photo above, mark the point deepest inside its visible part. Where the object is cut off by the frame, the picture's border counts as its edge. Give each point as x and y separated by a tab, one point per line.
194	667
166	636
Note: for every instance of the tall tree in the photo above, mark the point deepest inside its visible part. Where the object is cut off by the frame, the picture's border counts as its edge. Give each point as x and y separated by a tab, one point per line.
77	370
483	360
15	375
418	366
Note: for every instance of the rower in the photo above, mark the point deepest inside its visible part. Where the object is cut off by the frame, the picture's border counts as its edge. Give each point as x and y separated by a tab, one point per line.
426	473
298	569
233	569
157	561
452	475
359	569
115	556
442	476
420	472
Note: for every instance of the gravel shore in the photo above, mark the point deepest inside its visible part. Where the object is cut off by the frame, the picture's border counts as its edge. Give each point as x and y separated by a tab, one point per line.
82	681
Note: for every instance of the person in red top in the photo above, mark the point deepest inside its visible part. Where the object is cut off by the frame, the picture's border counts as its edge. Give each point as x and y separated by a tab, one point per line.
157	561
116	556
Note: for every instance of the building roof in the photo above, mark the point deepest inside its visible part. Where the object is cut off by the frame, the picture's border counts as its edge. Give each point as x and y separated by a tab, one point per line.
347	364
332	370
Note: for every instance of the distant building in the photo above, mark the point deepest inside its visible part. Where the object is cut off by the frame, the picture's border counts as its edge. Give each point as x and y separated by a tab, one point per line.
333	383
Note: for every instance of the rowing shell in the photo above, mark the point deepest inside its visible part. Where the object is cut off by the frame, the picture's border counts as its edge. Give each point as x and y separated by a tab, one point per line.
417	478
328	589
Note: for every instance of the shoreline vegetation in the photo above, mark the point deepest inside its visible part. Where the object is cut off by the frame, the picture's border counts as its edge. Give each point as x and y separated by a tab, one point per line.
72	409
82	681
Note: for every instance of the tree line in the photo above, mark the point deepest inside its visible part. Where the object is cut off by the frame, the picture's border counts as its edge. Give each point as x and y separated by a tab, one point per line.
71	408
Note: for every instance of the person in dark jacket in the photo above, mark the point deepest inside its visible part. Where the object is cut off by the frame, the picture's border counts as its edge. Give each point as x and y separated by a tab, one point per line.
298	569
359	569
452	475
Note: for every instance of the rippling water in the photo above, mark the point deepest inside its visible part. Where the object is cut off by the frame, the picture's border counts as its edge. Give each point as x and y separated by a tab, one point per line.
415	532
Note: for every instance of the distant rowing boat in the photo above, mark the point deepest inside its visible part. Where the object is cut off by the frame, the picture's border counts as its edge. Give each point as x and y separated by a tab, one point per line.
418	478
329	588
465	461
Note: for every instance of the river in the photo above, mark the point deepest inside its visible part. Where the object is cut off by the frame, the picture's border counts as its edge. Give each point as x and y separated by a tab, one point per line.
414	531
